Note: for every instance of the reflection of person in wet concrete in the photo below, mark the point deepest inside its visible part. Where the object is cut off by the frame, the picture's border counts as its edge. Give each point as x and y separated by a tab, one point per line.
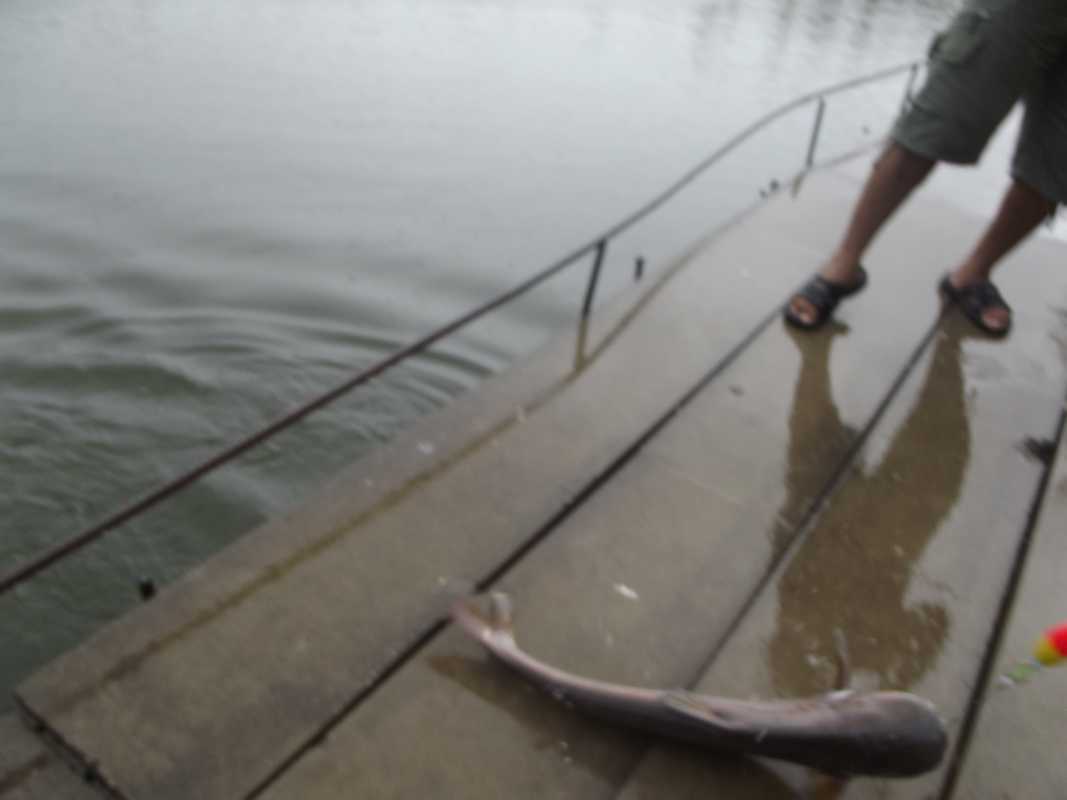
817	434
853	570
994	53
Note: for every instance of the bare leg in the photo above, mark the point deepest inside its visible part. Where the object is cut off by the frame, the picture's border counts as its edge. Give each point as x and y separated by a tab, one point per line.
894	177
1020	212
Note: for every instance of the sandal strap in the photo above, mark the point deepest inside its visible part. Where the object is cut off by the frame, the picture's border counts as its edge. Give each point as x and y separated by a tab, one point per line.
981	297
825	295
975	300
820	293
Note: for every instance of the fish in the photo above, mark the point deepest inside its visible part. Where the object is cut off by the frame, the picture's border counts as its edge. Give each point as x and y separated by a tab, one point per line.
843	733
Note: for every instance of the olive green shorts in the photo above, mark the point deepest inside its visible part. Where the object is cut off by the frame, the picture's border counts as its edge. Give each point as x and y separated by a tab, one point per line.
993	54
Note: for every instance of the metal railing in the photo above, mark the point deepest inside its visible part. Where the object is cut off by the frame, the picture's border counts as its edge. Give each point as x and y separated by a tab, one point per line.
597	247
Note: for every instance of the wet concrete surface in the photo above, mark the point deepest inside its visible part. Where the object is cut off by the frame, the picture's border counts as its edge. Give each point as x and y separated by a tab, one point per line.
1016	750
230	673
908	560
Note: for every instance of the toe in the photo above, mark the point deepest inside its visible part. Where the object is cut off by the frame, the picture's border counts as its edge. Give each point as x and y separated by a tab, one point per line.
996	318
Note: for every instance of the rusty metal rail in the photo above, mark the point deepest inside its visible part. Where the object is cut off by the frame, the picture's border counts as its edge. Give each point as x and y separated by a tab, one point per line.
597	247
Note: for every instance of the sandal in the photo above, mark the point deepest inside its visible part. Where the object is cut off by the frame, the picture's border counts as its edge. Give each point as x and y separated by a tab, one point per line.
974	301
824	296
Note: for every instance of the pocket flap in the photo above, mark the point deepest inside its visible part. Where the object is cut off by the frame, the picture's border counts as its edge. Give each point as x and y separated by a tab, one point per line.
962	39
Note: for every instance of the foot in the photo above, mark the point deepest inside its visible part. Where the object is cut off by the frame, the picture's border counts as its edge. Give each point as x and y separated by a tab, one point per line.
980	302
816	301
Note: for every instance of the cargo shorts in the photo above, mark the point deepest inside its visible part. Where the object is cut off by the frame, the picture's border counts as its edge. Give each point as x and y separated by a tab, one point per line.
994	54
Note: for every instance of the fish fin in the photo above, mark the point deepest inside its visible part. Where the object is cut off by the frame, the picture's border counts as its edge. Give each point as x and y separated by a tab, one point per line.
843	679
697	707
839	697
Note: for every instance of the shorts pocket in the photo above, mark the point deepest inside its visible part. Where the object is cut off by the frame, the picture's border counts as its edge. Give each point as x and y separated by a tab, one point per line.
963	38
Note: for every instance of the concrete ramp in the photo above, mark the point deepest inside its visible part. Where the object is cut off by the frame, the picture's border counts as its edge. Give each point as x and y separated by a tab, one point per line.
686	493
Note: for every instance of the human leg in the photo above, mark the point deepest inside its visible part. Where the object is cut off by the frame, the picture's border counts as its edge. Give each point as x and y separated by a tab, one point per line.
894	177
990	55
1021	211
1039	172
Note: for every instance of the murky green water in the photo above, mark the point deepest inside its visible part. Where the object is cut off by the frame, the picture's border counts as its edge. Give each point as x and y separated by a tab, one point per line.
211	211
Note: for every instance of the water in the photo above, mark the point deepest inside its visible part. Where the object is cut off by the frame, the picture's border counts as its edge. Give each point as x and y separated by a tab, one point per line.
211	211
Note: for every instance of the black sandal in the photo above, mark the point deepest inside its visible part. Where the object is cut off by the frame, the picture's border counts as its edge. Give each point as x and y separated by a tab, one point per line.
974	301
824	296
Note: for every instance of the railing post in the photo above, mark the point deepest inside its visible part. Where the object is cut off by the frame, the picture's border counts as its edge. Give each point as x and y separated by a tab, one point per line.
594	276
639	268
579	345
819	110
912	74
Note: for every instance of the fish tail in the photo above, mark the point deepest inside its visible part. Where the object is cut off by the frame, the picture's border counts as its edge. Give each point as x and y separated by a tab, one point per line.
496	625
